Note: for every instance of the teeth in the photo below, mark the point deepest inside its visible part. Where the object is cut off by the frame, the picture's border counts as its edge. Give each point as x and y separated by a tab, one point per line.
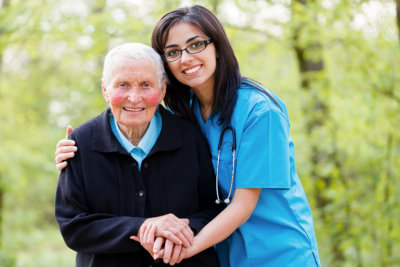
133	109
189	71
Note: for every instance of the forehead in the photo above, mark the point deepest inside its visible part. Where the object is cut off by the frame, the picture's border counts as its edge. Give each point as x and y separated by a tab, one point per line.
182	31
128	67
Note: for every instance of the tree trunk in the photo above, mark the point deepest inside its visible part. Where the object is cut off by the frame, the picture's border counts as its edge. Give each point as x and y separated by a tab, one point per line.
388	193
98	6
317	114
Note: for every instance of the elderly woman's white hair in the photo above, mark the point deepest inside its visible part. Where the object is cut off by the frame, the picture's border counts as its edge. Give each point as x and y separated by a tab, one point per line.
135	51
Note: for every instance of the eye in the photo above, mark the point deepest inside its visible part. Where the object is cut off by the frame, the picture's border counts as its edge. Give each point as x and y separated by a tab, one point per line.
146	85
172	53
197	44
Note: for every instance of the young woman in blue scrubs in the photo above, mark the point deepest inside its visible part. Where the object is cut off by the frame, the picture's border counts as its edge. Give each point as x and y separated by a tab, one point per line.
268	220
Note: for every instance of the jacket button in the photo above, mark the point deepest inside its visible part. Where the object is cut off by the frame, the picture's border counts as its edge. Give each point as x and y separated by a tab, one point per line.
145	165
140	193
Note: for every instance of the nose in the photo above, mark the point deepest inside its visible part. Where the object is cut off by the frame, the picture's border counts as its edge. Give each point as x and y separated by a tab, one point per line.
186	56
134	95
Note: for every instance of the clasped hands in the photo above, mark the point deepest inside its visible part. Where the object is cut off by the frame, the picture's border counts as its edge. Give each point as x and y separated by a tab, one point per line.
166	237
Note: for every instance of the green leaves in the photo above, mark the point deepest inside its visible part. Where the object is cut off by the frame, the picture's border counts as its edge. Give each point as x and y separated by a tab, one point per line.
344	120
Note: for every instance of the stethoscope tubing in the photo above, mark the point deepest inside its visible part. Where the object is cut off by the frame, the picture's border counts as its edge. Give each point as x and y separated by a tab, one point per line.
221	138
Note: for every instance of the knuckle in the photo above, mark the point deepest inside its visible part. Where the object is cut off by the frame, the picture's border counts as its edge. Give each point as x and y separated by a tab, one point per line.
175	231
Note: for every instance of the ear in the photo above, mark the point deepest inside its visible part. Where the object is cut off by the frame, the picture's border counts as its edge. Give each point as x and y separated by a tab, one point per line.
105	93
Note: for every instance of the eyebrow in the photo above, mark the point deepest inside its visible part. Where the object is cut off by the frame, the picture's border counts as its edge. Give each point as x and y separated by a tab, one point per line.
187	41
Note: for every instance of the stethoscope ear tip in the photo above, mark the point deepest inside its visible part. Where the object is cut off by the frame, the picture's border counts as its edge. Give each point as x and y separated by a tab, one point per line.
226	201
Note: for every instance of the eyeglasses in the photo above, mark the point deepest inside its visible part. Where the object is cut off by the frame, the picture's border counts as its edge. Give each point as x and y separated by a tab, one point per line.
194	48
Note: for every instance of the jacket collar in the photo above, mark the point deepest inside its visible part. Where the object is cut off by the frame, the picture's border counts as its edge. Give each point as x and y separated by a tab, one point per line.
104	140
170	137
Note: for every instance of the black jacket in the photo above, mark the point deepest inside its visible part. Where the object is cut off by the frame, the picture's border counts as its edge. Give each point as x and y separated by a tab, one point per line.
102	198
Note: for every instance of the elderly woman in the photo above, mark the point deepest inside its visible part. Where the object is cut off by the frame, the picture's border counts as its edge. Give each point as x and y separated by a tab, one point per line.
138	168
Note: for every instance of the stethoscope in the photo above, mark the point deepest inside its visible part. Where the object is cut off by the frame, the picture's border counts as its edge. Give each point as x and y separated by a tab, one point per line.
221	138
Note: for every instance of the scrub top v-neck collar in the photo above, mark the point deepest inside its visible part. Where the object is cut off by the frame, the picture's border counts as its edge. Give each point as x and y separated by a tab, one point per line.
204	125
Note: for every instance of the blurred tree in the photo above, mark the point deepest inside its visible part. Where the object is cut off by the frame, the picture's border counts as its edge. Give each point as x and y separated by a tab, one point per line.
334	63
398	17
320	127
4	5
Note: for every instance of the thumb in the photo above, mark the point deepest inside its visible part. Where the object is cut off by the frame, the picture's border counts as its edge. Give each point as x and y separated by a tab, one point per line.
69	130
135	238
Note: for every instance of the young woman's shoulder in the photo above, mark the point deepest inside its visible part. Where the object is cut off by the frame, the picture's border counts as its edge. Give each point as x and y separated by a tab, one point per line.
257	97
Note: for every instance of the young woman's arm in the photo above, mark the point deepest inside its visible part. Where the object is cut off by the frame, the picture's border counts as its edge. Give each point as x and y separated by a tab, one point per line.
234	215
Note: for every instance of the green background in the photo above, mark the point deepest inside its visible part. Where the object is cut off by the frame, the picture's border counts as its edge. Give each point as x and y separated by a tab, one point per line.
334	63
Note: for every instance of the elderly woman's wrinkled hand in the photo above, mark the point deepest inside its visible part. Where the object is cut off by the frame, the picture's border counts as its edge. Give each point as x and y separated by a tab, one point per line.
170	227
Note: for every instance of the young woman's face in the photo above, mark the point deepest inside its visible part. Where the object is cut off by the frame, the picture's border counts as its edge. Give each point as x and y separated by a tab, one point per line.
195	70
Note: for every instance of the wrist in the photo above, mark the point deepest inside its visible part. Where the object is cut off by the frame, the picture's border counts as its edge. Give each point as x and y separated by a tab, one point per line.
192	250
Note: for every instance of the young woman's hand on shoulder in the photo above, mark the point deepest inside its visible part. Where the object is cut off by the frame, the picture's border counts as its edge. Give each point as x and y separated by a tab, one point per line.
65	149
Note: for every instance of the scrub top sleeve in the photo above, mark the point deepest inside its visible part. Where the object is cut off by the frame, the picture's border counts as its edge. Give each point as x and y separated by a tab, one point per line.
263	159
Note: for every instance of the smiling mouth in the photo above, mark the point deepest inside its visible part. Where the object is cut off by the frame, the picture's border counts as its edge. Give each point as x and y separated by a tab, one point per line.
192	70
133	109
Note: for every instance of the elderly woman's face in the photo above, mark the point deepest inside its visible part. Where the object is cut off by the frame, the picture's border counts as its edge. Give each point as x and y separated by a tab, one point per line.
133	92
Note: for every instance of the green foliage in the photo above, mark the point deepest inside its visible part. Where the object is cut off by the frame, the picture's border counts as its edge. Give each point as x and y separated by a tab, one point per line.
51	56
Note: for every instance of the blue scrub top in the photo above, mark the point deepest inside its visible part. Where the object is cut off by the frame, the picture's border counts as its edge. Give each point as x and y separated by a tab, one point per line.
280	230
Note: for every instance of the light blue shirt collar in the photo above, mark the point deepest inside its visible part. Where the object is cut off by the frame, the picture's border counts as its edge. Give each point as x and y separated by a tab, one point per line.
140	152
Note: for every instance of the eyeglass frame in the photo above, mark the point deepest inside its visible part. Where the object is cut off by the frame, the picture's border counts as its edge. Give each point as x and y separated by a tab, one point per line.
206	43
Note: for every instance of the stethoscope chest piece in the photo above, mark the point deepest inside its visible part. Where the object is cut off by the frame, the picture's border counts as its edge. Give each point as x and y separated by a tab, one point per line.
221	138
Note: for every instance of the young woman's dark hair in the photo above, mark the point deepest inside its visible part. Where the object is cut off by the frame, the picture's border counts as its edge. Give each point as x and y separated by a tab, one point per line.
227	74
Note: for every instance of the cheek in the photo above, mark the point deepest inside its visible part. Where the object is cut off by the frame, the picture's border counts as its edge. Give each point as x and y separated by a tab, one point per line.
173	68
153	99
116	99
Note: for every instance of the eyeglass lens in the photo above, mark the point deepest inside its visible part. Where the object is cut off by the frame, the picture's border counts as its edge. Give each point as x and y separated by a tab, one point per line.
193	48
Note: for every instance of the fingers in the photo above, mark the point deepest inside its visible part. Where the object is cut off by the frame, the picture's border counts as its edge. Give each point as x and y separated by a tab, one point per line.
64	150
157	246
174	228
147	238
135	238
176	251
182	231
184	236
170	236
188	235
65	146
160	254
141	236
170	227
63	157
61	165
68	131
168	247
181	256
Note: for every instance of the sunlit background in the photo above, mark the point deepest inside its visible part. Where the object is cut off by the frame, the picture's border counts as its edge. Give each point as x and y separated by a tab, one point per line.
335	63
